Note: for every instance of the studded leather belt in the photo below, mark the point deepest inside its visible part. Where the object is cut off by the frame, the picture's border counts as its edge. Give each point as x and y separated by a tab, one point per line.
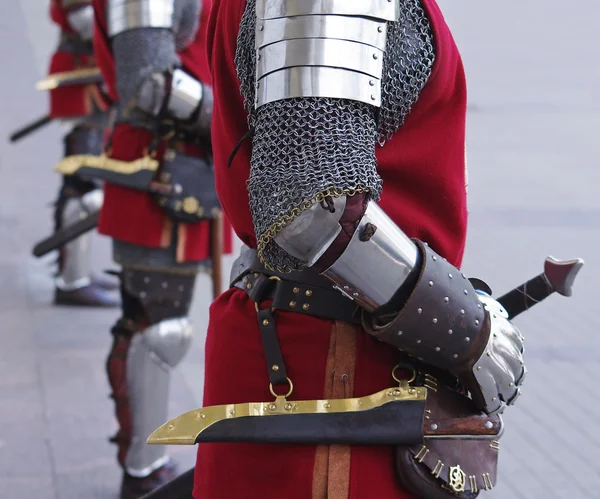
304	292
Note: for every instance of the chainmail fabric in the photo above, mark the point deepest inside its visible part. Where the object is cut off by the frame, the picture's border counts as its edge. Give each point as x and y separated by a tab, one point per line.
141	52
305	149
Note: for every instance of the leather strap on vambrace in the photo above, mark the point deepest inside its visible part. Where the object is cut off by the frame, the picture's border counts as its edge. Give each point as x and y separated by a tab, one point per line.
443	321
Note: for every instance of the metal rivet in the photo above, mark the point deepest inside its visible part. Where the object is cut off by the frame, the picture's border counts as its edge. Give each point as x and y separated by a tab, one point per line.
479	306
232	412
256	274
296	291
437	349
419	311
494	399
203	416
272	407
346	287
477	322
143	294
399	333
292	304
446	300
288	407
258	57
373	97
434	258
511	384
372	83
462	311
466	292
375	56
450	331
467	339
434	427
380	29
261	27
356	295
434	321
464	276
412	391
308	292
266	322
450	276
306	306
275	368
489	354
418	341
479	368
327	405
455	356
489	425
430	283
248	286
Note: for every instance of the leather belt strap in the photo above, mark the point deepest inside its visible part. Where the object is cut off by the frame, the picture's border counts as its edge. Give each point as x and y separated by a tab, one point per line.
304	292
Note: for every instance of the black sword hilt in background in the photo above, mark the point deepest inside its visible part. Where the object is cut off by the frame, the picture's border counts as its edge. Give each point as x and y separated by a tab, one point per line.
66	235
558	276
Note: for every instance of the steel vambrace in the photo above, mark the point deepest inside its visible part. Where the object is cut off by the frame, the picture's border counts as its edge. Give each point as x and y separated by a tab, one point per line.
443	321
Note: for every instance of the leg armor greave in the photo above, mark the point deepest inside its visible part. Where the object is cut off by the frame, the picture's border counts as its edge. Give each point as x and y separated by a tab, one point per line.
77	197
75	259
151	338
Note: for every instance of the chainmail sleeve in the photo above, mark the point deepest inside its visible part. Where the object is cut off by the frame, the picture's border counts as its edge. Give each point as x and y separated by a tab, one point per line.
307	149
141	52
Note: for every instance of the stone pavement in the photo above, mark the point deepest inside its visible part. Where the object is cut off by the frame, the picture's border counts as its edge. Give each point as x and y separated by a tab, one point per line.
534	113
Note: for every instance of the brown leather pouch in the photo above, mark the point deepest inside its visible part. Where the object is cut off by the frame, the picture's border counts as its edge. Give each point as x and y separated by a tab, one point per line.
459	454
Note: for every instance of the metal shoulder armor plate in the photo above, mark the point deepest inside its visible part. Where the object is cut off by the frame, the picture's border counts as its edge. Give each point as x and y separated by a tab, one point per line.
313	48
124	15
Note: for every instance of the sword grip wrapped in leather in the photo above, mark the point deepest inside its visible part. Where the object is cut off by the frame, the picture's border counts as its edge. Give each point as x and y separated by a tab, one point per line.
443	322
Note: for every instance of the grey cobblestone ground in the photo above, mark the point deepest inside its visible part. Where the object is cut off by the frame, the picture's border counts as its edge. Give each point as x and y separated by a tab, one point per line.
534	116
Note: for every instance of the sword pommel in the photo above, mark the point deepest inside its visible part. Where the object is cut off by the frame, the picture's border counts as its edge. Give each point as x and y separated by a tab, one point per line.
561	274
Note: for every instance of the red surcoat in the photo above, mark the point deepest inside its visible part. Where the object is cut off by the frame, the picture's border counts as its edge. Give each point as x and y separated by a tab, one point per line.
133	216
77	100
423	171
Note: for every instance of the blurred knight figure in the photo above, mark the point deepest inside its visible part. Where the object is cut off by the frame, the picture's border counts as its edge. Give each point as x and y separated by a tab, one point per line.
160	208
76	98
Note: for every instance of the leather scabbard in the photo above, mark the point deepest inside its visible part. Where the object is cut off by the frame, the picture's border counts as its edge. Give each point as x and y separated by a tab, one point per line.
392	416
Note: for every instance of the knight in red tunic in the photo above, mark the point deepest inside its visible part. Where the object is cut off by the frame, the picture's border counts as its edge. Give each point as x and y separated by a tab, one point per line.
352	154
84	108
152	54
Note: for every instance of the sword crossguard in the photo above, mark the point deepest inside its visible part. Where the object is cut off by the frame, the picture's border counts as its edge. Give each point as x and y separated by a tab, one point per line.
561	274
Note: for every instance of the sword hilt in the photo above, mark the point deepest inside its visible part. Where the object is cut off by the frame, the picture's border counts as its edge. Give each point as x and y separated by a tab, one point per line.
558	276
